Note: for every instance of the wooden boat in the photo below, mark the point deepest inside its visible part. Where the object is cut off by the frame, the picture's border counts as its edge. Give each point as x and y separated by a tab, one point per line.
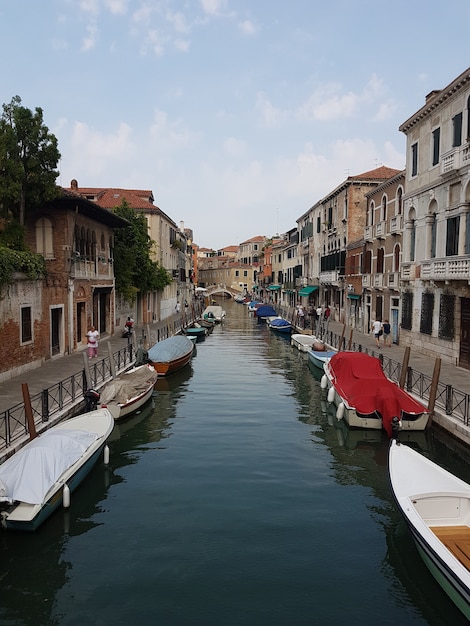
39	478
214	312
208	324
170	355
366	398
127	393
302	342
320	357
436	507
196	330
279	325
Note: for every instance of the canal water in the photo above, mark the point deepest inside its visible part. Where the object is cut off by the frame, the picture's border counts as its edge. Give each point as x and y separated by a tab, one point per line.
234	498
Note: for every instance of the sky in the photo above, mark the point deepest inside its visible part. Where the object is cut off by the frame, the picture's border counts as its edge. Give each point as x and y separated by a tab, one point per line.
239	115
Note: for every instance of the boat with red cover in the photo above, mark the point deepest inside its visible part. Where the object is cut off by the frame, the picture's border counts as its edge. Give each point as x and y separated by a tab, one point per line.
366	398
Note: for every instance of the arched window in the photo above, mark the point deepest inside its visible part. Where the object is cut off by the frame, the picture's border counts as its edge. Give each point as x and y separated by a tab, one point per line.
93	245
44	240
380	261
82	241
102	247
370	215
367	262
399	210
396	258
433	237
413	240
384	208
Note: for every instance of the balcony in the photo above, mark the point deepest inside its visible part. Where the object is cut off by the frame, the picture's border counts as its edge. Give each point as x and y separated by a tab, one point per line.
456	158
396	224
409	271
378	280
393	280
366	280
447	269
329	278
381	230
368	233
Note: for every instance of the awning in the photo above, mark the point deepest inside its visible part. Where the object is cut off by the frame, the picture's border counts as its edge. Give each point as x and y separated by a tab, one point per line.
306	291
353	296
274	287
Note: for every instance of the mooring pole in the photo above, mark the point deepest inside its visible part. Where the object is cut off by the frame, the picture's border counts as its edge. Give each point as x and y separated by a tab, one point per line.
404	367
433	391
28	409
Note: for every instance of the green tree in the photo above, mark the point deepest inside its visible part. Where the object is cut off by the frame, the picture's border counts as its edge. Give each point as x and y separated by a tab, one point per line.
28	161
134	269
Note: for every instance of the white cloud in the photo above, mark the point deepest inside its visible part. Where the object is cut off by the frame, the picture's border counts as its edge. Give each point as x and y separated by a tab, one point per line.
171	136
117	7
182	45
213	7
248	28
270	115
234	147
89	41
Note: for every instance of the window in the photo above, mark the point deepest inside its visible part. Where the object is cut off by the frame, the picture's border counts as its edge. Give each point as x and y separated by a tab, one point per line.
457	130
433	237
380	261
384	208
412	240
446	316
452	238
467	233
399	210
427	307
318	224
367	262
436	141
370	214
26	324
414	159
396	258
407	310
44	242
468	119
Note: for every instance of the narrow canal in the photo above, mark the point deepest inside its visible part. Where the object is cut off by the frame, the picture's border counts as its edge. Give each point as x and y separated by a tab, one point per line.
235	498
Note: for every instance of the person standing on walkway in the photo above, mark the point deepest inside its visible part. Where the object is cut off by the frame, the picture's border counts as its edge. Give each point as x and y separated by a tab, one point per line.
93	337
387	338
177	307
377	329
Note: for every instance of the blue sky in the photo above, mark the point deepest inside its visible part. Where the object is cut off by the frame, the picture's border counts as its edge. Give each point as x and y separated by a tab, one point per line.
238	114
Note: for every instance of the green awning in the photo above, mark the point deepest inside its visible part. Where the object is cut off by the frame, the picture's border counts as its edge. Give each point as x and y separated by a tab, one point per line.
274	287
306	291
353	296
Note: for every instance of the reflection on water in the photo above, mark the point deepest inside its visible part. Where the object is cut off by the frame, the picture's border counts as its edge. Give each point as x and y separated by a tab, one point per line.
234	496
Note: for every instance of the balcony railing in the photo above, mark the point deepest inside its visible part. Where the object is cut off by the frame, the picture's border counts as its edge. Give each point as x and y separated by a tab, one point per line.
451	268
393	280
381	230
368	233
366	280
396	224
455	159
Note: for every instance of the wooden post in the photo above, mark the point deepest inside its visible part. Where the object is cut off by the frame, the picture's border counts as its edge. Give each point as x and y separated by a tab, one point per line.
87	372
350	339
433	393
340	346
28	410
111	361
404	367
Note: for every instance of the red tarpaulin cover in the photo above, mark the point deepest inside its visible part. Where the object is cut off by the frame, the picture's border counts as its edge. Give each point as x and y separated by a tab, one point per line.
358	378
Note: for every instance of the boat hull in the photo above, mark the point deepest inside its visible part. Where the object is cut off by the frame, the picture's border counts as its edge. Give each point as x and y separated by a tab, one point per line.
320	358
29	517
436	507
171	355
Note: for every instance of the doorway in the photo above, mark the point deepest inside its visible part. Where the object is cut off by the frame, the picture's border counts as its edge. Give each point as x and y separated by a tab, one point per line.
464	356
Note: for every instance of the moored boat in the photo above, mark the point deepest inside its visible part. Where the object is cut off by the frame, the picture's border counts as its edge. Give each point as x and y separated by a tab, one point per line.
366	398
320	357
264	311
171	354
128	392
302	342
40	477
214	312
279	325
436	507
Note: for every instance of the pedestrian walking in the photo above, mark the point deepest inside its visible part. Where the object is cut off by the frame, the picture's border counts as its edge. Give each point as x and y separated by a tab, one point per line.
377	329
387	337
92	344
177	307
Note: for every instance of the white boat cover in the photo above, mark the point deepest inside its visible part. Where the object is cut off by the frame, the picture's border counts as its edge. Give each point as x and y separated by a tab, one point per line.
170	349
28	475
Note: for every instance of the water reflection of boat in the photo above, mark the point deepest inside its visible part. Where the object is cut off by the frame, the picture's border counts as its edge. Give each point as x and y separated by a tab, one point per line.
171	383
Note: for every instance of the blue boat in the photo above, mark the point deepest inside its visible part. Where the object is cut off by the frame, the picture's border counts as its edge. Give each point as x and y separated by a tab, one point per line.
279	325
264	311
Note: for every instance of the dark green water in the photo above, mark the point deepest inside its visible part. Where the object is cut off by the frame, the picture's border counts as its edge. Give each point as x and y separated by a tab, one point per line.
236	499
